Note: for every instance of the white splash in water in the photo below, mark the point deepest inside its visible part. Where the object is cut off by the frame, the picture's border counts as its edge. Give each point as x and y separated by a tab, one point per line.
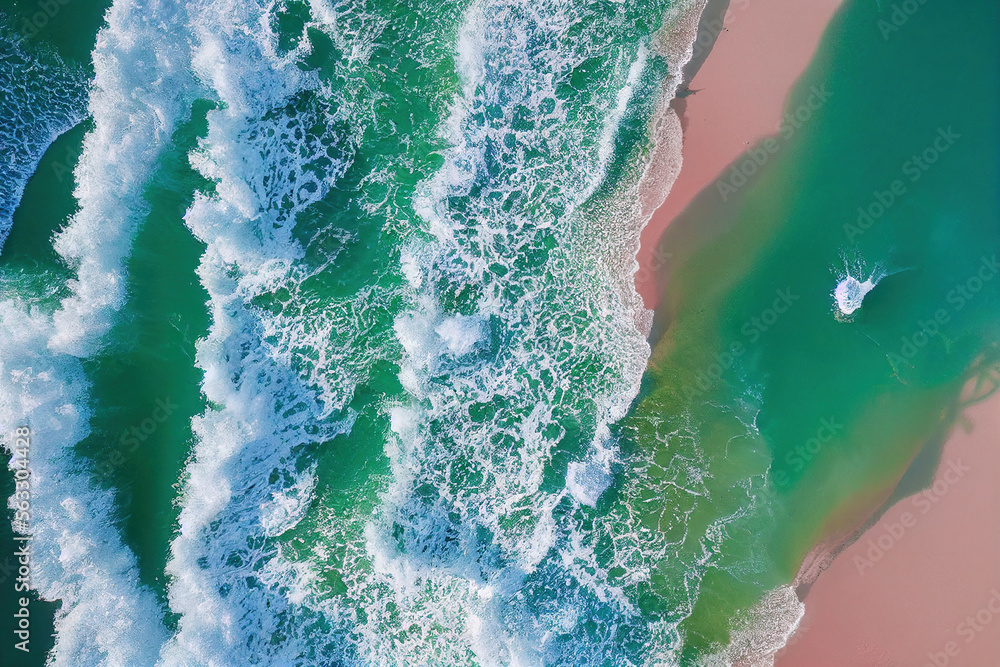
850	293
851	289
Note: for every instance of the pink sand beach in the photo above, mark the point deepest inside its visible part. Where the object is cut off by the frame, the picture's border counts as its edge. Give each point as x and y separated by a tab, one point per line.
922	586
763	47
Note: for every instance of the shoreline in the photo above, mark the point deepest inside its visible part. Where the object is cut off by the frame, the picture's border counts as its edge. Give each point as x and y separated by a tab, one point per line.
902	594
865	605
732	93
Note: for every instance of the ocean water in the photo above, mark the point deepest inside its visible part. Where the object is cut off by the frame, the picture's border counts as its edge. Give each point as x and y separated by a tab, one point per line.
823	314
322	317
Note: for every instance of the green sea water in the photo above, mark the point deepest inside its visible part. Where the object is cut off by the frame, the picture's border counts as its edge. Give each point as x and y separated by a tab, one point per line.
887	163
386	496
29	265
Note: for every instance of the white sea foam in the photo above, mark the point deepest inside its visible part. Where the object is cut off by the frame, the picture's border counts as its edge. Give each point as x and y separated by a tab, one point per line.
34	110
510	57
140	92
279	382
142	88
850	293
852	288
106	616
469	527
288	506
460	333
466	530
764	631
587	481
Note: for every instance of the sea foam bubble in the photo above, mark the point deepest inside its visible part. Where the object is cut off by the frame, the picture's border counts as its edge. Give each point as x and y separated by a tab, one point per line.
34	111
139	95
850	293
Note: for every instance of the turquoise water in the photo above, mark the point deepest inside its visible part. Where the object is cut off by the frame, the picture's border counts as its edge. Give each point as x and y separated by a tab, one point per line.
330	355
798	413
